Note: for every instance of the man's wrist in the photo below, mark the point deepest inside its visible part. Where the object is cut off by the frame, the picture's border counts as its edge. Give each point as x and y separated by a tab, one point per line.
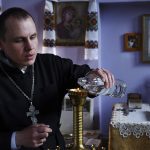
18	144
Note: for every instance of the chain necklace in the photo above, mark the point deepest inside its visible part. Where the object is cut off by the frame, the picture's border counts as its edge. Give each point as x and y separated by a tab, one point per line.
32	111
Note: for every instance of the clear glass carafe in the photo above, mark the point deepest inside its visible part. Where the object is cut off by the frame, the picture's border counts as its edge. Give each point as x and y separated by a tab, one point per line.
95	86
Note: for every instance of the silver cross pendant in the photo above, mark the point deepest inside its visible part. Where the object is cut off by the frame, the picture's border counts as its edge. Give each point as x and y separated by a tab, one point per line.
32	113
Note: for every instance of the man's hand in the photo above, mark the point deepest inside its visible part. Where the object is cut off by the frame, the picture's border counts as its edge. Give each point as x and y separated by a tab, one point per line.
33	136
106	76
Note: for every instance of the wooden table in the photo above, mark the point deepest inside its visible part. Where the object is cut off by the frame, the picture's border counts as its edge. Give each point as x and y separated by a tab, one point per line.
129	129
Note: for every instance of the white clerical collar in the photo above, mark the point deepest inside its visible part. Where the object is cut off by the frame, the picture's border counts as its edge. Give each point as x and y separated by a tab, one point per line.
23	70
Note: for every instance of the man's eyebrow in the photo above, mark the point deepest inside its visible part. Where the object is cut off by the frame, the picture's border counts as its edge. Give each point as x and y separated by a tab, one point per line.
18	37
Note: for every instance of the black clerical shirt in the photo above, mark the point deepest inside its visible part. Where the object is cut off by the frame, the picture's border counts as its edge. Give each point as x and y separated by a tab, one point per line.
53	76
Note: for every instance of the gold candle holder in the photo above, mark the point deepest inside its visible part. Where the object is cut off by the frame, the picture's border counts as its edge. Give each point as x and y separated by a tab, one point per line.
78	99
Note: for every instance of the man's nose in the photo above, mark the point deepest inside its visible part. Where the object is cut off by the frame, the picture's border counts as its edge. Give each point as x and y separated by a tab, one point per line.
28	45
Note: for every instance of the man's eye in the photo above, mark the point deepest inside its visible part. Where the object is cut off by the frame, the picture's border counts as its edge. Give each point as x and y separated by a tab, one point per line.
18	40
33	37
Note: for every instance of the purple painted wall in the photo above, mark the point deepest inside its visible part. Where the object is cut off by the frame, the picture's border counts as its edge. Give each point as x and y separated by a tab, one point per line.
116	19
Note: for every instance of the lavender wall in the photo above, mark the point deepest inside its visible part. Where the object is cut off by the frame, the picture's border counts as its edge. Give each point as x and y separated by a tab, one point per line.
116	19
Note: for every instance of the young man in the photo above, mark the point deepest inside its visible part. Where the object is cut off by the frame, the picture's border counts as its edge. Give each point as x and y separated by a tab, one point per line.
32	86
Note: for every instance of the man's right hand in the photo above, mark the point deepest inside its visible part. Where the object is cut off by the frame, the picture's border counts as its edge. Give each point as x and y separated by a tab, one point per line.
33	136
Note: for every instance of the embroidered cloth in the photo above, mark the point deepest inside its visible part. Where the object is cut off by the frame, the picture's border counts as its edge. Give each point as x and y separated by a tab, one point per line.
131	121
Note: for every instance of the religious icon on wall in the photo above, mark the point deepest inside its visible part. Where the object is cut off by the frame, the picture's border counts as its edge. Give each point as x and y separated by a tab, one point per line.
132	42
146	38
70	23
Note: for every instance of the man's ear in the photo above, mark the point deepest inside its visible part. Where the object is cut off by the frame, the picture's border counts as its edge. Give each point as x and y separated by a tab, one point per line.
1	44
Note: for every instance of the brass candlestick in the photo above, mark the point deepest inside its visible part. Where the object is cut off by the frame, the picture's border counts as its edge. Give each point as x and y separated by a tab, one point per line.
78	99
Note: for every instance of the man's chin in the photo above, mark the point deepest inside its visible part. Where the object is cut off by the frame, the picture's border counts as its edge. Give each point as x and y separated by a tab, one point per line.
29	63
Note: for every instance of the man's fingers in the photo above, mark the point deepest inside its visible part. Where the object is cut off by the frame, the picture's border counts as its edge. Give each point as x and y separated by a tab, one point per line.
109	77
42	135
42	140
43	129
106	76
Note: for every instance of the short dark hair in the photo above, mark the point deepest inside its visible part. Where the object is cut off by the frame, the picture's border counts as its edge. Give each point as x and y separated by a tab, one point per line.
16	12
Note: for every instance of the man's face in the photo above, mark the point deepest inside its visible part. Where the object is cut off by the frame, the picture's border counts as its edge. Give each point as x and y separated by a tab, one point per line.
20	41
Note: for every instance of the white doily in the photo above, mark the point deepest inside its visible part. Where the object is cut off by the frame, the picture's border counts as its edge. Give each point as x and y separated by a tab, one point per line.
136	122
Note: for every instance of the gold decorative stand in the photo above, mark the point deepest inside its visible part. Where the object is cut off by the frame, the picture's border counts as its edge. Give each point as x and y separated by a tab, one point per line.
78	99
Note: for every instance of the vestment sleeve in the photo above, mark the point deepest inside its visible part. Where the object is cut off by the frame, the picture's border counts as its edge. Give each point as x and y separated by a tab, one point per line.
70	72
5	140
63	70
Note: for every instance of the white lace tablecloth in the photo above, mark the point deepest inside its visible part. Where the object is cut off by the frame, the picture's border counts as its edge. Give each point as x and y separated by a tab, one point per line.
135	122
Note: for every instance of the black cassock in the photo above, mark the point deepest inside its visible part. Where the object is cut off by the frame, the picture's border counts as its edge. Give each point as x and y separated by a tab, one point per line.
53	75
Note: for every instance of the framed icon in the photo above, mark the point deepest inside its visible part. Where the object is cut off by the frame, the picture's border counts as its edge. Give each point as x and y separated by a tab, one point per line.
132	41
146	38
70	23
